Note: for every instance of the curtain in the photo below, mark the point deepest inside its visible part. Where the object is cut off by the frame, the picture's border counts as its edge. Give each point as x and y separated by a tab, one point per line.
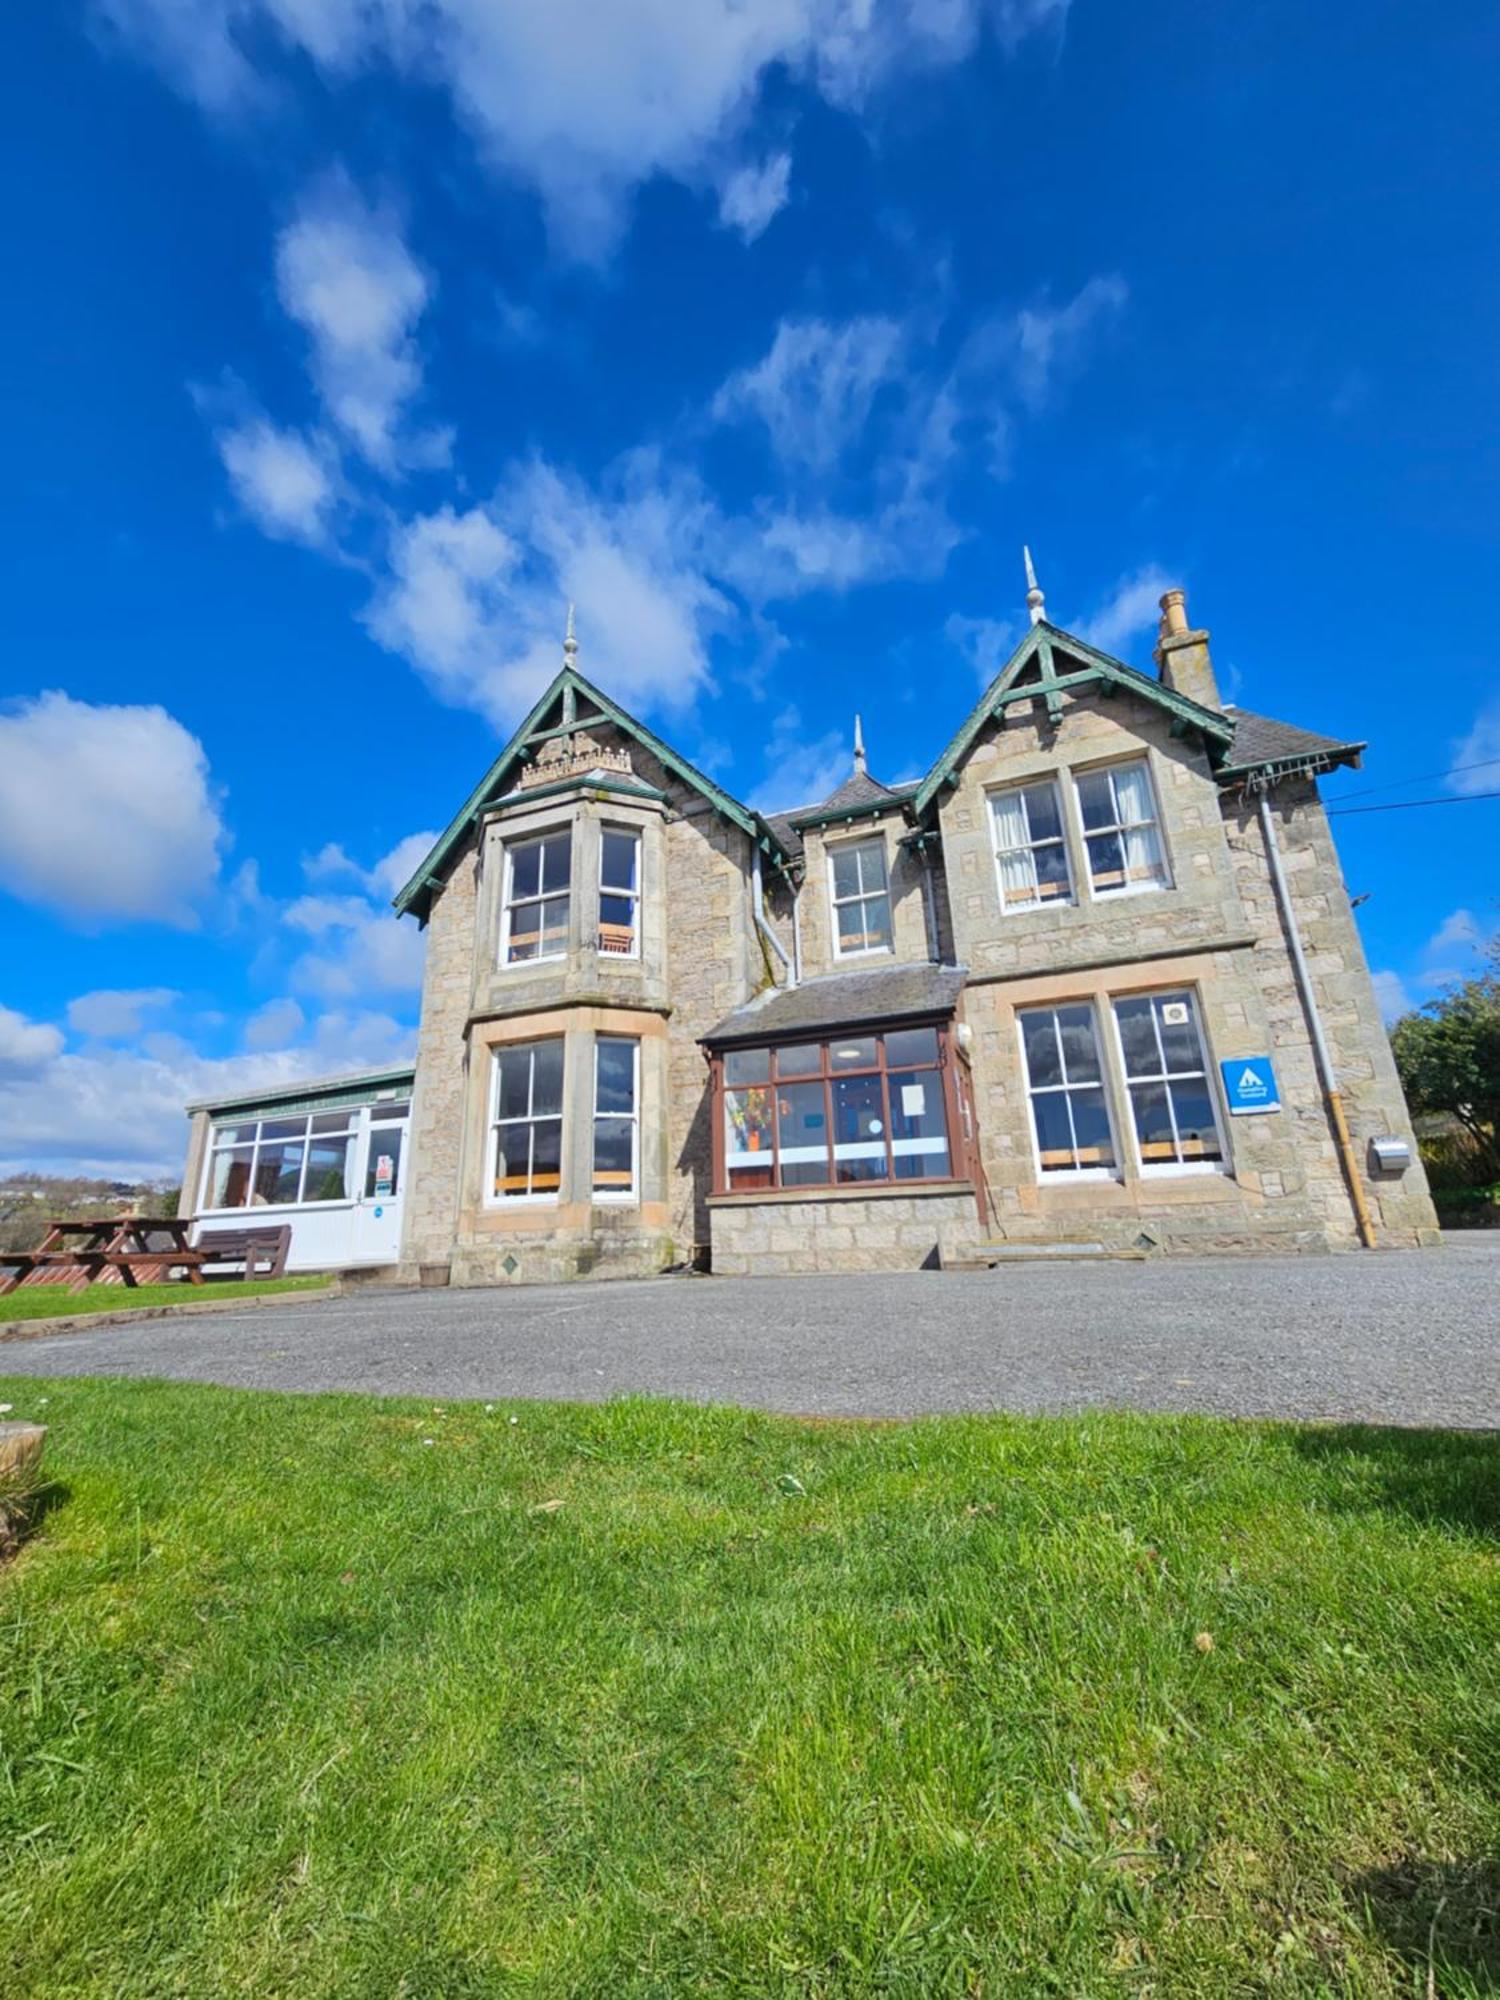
1013	841
1138	824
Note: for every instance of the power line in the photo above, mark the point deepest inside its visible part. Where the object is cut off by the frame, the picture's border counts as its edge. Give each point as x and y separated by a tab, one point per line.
1407	805
1396	784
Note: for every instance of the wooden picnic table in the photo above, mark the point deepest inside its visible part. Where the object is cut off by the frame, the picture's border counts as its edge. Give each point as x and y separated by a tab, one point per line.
133	1247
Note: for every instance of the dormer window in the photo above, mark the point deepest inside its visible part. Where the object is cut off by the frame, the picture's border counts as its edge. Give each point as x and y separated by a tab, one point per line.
620	893
861	897
537	878
1121	833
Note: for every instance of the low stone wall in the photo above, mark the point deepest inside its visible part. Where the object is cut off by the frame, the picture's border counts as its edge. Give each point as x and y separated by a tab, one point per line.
878	1229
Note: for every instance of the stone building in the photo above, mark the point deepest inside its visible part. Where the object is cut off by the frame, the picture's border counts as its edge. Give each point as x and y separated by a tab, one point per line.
1093	981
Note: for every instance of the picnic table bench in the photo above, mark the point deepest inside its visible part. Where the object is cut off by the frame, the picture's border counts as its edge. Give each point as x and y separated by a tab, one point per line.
254	1248
122	1249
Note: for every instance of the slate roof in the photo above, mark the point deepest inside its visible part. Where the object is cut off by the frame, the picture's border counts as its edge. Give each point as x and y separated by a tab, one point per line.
858	790
841	1000
1260	740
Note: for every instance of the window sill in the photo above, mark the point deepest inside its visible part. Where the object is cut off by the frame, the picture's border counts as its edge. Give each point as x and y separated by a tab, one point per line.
859	1191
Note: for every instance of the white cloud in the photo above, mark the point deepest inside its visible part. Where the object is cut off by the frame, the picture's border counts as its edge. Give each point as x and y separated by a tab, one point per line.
345	275
581	102
25	1046
117	1014
755	194
1390	991
986	643
477	600
1459	931
271	1026
118	1111
815	388
1132	607
1476	757
287	482
361	951
106	813
1051	341
390	874
801	770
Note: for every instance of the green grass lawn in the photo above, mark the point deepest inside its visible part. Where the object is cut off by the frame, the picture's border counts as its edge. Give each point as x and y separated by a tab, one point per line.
49	1301
343	1697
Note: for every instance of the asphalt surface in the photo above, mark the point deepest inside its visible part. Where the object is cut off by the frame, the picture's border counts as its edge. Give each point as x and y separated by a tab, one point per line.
1389	1338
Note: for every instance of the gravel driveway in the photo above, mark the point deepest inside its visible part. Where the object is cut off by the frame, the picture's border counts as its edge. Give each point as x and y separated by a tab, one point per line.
1404	1338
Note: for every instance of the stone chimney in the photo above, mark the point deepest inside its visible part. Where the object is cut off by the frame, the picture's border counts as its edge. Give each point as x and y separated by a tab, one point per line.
1182	659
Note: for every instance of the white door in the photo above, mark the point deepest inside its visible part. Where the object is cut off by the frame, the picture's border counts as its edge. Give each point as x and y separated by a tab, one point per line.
377	1203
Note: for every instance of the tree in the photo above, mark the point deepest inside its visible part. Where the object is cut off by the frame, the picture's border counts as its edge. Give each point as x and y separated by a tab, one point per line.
1448	1054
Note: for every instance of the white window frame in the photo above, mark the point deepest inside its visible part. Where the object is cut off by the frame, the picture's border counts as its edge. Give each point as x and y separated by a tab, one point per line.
492	1198
632	1194
352	1132
1038	902
633	834
836	902
508	905
1069	1176
1170	1169
1120	827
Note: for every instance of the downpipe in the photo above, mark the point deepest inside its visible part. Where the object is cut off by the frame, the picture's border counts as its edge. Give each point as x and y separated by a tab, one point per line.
758	908
1327	1075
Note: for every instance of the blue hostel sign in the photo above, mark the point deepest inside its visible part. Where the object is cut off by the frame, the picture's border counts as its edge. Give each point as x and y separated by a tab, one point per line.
1250	1084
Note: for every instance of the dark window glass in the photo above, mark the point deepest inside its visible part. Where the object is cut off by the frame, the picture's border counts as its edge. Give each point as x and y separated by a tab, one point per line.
547	1083
859	1128
802	1059
919	1125
615	1074
383	1173
905	1047
278	1171
858	1052
326	1178
1043	1057
802	1124
747	1065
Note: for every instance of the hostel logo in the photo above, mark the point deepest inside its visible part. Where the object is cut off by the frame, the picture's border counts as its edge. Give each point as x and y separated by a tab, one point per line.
1250	1084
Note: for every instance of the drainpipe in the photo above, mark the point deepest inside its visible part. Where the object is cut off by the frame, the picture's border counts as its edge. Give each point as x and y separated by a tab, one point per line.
796	889
929	904
758	906
1327	1075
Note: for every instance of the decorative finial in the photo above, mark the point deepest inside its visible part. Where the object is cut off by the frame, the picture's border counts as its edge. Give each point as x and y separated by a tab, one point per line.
859	747
1036	604
570	643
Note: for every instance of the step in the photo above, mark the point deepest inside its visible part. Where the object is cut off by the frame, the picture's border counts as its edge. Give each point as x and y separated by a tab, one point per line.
987	1256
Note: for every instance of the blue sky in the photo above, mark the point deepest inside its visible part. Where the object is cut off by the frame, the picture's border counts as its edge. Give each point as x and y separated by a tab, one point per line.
344	345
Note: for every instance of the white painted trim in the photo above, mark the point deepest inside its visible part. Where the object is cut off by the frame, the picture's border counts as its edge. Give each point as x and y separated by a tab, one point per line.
492	1124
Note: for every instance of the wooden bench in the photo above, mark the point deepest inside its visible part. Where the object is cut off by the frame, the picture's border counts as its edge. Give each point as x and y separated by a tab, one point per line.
263	1252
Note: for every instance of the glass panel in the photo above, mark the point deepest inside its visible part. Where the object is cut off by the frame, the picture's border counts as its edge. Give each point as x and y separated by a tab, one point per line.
283	1128
1054	883
859	1128
1138	1037
617	910
1096	800
554	923
546	1156
379	1112
617	860
854	926
747	1137
858	1052
1153	1123
278	1171
919	1124
235	1135
1080	1049
525	870
909	1046
513	1091
1054	1132
1039	1033
327	1176
1106	860
557	861
1133	794
614	1076
547	1078
747	1065
229	1185
614	1155
877	911
845	871
1044	812
512	1157
1197	1133
383	1172
1179	1037
802	1126
804	1059
1091	1125
340	1121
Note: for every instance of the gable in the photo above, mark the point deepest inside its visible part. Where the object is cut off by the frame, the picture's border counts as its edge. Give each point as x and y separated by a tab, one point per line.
554	749
1048	664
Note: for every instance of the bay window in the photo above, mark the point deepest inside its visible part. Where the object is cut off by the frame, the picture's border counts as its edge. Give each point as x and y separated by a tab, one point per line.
526	1121
837	1112
1065	1081
1166	1075
538	875
616	1118
1121	835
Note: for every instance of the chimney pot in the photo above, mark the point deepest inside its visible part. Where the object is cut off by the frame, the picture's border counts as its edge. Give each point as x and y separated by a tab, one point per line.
1173	613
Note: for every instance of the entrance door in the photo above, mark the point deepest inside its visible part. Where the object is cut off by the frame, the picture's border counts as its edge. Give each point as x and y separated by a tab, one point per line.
377	1205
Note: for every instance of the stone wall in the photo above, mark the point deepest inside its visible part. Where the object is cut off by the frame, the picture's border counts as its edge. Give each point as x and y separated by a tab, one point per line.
438	1101
886	1229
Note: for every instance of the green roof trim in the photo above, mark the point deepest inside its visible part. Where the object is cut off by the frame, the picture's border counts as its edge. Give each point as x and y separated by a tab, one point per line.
1097	668
330	1095
563	695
